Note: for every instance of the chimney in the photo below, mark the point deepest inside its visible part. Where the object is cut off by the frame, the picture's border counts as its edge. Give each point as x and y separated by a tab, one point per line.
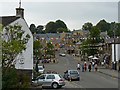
20	11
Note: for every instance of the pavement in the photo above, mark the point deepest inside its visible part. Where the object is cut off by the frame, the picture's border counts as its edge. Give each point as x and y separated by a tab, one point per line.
109	72
106	71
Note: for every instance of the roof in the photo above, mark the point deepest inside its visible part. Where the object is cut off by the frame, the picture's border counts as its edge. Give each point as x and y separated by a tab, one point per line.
48	35
5	20
104	35
111	40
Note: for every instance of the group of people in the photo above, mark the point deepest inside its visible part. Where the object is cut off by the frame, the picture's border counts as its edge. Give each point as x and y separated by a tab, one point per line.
91	66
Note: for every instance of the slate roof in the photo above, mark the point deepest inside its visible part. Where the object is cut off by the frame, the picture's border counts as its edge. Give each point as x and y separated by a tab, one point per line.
111	40
48	35
5	20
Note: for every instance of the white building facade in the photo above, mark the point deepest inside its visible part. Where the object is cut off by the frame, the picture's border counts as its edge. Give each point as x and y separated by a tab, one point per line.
24	61
117	53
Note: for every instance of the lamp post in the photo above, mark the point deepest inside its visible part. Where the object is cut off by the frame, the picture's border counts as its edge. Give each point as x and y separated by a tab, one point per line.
115	67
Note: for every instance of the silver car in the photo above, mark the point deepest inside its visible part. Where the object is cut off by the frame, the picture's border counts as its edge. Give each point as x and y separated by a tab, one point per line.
52	80
41	69
72	74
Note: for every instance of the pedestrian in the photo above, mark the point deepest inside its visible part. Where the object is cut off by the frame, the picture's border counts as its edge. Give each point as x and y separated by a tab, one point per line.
82	67
78	66
43	66
54	61
85	66
96	68
93	64
89	67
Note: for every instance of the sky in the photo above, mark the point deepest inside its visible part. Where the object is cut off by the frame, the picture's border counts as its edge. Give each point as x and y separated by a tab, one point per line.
73	12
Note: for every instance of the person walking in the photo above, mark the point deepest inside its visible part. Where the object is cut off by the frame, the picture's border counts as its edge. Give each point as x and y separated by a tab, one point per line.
43	66
96	68
82	67
85	66
78	66
89	67
93	64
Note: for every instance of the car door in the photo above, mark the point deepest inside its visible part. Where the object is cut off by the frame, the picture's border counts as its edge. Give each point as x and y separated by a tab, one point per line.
41	79
49	80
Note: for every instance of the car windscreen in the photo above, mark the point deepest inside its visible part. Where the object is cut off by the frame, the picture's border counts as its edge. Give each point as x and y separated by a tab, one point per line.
73	72
40	68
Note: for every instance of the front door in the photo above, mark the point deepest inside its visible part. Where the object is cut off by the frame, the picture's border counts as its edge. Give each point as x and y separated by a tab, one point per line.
41	79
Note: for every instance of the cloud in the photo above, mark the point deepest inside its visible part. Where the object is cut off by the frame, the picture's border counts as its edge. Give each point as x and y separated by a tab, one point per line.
74	14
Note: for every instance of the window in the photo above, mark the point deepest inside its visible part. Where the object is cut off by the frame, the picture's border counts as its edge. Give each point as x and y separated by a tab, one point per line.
41	77
50	77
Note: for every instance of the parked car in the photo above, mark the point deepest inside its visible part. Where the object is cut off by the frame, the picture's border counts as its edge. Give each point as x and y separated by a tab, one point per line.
52	80
72	75
41	69
62	54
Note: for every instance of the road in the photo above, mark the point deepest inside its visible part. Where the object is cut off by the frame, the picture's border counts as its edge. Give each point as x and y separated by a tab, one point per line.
88	79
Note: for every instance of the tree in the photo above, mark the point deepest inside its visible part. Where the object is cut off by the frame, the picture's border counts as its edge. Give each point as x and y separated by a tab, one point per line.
117	29
37	49
13	43
87	26
39	29
33	28
50	48
90	46
54	27
1	28
60	24
50	28
61	30
103	25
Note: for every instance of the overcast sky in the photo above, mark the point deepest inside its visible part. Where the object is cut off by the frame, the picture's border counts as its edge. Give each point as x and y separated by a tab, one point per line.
74	14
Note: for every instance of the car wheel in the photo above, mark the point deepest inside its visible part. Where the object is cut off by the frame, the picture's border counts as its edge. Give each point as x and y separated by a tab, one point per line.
55	85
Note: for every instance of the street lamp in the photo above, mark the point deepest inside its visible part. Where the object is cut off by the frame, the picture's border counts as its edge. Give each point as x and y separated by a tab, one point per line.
115	67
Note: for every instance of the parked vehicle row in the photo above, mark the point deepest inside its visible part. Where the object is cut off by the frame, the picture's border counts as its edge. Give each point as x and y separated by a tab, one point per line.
55	80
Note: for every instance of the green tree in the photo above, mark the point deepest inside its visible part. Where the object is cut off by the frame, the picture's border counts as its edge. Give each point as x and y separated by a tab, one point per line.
13	43
87	26
39	29
50	27
60	24
1	28
90	45
54	27
117	32
33	28
50	49
37	49
103	25
61	30
113	27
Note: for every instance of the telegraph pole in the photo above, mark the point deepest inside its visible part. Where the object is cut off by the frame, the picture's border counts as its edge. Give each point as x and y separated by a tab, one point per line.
115	66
